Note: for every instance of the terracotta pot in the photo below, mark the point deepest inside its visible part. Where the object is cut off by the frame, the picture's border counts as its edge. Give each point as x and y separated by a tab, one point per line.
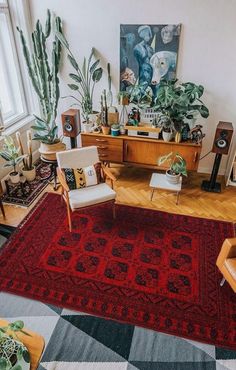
106	130
124	100
48	151
29	174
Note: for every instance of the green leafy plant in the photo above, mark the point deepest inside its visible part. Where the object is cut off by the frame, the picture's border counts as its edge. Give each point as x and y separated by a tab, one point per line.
28	160
180	101
84	78
44	77
11	153
12	352
138	94
177	164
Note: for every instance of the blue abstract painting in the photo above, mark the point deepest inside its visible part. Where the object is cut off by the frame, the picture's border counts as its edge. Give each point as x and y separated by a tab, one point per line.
147	54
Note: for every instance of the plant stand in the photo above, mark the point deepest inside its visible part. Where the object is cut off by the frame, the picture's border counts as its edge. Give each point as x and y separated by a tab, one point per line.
53	165
21	184
159	181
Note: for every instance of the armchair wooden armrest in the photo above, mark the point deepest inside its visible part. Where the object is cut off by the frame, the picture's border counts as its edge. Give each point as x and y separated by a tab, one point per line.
228	250
107	173
61	178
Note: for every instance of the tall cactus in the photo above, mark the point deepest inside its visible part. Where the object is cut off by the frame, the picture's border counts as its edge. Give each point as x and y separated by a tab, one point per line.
44	78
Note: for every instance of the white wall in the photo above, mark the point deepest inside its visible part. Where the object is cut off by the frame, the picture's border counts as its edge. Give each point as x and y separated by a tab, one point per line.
206	55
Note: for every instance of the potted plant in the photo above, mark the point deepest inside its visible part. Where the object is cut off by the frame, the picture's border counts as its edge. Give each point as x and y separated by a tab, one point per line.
180	102
167	126
45	81
123	97
13	354
28	170
84	81
106	128
13	157
177	166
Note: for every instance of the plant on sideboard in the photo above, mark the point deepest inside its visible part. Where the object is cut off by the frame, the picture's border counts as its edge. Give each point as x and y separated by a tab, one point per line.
180	102
177	166
44	78
84	79
13	157
13	353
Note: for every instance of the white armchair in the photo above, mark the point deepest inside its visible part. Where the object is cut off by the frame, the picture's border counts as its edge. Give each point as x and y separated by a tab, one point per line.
86	196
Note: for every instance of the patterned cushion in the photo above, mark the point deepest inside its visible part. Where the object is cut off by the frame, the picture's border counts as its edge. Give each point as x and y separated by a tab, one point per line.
77	178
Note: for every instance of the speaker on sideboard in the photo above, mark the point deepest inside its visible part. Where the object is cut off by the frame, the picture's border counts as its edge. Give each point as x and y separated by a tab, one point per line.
71	123
223	137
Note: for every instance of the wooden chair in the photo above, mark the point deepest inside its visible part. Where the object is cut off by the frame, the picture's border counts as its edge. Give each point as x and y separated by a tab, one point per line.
88	196
226	262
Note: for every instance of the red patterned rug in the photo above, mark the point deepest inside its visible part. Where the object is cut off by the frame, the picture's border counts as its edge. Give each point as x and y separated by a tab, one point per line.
147	268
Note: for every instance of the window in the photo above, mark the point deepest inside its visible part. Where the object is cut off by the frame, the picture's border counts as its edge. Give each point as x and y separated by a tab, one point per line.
12	99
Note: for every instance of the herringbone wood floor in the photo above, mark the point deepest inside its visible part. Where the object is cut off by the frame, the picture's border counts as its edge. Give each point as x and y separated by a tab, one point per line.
132	188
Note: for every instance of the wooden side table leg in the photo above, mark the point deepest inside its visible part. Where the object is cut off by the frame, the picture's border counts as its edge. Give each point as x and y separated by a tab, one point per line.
152	192
177	198
2	209
54	169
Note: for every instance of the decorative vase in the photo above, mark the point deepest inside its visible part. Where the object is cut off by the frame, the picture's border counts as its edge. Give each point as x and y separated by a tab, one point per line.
122	130
178	137
167	136
106	130
29	174
48	151
87	126
172	179
14	177
93	118
115	131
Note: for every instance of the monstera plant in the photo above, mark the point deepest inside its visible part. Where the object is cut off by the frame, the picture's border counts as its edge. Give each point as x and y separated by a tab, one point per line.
44	77
180	101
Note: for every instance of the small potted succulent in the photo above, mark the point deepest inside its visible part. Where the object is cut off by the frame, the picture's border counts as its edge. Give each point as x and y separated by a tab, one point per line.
177	166
13	156
13	353
28	169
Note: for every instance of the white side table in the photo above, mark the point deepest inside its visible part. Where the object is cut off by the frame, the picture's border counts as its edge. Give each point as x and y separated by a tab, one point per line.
159	181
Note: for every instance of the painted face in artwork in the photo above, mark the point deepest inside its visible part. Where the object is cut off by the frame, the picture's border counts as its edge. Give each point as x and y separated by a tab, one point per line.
167	33
145	33
161	63
128	76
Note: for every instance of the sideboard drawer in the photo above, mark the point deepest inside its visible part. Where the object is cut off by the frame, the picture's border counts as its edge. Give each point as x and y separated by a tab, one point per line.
109	149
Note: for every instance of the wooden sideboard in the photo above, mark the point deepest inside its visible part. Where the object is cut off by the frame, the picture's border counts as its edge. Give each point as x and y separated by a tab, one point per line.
140	151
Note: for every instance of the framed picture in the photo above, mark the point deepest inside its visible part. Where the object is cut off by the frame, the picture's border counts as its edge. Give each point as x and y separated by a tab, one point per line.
147	54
